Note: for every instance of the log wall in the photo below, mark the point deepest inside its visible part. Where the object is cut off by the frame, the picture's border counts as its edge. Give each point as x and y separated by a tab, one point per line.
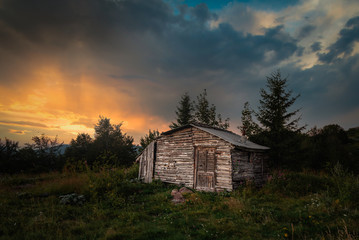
175	158
248	166
146	160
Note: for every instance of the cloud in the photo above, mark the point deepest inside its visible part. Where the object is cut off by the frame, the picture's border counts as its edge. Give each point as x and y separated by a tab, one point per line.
327	91
89	123
64	63
131	38
25	123
202	14
245	19
316	46
305	31
345	44
18	132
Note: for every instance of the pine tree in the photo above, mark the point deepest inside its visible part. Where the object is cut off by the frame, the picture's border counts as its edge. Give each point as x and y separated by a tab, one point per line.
184	112
204	113
280	129
273	110
249	127
207	114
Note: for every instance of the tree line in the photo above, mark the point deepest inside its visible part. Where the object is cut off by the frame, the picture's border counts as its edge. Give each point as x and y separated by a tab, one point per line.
273	124
109	147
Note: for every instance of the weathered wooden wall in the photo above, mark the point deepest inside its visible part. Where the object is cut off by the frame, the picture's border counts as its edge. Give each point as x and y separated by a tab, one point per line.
146	160
249	166
175	158
223	168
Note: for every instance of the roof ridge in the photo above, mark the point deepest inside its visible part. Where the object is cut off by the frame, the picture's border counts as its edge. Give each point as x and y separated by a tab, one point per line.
209	126
232	138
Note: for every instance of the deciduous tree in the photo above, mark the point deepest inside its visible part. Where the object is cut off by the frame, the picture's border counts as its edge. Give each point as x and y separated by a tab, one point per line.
148	138
113	147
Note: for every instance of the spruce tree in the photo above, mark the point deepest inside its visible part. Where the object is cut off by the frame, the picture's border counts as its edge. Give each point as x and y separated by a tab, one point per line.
249	127
280	129
207	114
273	110
204	113
184	112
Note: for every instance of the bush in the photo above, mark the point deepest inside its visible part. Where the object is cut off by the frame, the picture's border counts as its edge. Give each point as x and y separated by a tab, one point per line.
297	184
114	185
346	186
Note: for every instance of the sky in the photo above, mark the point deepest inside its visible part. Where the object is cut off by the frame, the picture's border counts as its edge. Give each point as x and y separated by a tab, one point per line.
65	63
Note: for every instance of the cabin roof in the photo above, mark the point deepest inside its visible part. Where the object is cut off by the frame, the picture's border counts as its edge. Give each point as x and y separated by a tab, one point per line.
228	136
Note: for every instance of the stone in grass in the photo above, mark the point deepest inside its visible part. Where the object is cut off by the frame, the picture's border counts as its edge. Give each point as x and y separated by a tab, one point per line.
185	190
72	199
174	191
178	195
178	198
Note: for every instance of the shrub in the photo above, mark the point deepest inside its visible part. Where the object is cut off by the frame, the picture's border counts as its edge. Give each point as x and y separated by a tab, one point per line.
297	184
346	186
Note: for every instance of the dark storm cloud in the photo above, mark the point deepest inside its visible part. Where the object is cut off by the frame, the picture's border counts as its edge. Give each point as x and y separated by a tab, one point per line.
145	42
63	21
344	45
72	33
305	31
144	34
202	14
273	4
164	52
316	46
327	91
194	50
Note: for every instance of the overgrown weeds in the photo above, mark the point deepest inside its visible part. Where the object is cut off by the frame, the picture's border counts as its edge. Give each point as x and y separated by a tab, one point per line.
292	205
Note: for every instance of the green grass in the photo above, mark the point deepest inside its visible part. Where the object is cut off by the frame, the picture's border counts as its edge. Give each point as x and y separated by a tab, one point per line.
294	206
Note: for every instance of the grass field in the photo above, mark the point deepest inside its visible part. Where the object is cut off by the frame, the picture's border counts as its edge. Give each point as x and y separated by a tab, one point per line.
291	206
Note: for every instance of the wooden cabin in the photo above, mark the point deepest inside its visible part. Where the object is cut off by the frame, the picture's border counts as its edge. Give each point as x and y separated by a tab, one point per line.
203	158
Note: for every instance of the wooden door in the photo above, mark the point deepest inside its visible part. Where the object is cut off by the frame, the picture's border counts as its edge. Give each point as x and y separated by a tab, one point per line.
205	168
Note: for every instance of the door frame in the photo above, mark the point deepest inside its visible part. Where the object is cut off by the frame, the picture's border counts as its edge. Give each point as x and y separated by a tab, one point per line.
195	171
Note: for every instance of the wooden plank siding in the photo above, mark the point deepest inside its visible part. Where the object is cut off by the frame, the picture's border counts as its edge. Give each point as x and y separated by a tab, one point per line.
146	162
174	160
248	166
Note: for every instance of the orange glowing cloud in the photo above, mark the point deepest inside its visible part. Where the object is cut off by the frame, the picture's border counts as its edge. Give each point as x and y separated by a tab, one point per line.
56	104
18	132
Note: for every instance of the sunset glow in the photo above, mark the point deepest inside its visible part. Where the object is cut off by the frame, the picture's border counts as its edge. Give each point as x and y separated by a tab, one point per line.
63	66
51	104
